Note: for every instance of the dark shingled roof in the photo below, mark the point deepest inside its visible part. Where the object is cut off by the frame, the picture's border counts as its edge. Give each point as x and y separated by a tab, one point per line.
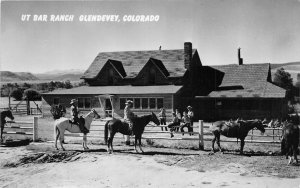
134	61
247	74
266	90
250	80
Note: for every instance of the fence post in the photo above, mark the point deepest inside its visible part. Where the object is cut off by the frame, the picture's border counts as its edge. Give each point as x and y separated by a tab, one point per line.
201	143
35	129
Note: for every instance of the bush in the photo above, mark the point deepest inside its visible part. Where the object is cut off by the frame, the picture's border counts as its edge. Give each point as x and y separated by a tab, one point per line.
57	111
32	94
17	94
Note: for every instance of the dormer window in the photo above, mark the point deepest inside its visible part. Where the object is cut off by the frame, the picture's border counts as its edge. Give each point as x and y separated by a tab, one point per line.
152	75
111	79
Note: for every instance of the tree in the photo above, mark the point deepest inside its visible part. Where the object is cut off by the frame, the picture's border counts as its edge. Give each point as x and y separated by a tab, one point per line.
32	94
17	94
283	79
57	111
68	84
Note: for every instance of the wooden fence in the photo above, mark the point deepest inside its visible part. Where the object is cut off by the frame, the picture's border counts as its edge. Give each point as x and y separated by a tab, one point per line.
24	128
202	133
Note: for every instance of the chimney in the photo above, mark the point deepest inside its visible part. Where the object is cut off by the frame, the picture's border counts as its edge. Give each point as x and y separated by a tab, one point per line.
239	57
187	55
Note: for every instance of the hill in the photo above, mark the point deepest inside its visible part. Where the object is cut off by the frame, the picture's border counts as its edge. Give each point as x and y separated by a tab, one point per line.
7	76
61	75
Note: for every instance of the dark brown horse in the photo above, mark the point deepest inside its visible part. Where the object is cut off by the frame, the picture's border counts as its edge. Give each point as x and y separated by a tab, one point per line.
290	140
3	115
115	125
236	129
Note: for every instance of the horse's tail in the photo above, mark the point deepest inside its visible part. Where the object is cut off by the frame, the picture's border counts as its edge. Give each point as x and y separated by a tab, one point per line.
106	132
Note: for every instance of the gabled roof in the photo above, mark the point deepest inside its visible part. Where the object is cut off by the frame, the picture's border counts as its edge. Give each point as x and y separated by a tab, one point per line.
247	74
114	90
134	61
246	81
160	66
118	66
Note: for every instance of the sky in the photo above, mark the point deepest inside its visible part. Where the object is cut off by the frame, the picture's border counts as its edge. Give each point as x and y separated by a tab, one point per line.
267	31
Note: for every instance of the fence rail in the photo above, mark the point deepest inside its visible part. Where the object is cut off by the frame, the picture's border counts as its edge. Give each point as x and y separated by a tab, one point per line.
201	133
20	128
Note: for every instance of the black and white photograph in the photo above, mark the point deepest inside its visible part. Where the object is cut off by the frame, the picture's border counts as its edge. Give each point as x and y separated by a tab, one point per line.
137	93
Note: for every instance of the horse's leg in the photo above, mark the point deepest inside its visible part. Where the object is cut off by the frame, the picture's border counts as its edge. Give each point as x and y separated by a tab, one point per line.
213	144
135	142
84	143
218	142
110	142
56	138
140	143
2	128
242	145
295	148
61	143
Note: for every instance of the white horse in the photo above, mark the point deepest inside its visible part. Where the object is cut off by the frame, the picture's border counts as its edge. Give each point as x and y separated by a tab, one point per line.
62	124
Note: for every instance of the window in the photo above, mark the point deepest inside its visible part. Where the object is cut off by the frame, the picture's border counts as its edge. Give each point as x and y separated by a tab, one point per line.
84	103
56	101
160	103
110	78
137	103
152	76
152	103
144	103
80	102
87	103
122	103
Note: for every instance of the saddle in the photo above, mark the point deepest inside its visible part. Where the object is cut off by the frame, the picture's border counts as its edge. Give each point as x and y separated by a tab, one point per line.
232	124
128	124
80	123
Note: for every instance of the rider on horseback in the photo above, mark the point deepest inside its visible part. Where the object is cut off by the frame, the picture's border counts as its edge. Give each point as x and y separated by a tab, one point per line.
128	114
75	119
128	117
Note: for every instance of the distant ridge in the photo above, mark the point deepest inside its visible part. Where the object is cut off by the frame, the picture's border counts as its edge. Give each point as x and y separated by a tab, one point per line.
7	76
275	66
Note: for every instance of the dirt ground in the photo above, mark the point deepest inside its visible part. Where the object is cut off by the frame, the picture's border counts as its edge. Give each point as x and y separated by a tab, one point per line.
40	165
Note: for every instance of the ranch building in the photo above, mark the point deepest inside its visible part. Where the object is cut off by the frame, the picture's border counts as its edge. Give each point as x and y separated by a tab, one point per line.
173	79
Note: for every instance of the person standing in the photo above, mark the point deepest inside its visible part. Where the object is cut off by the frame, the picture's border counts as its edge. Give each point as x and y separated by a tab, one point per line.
191	116
186	122
174	124
162	118
128	116
178	115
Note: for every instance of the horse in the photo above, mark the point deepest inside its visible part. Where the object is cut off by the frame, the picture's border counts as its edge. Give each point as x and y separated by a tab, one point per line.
3	115
238	129
290	141
116	125
63	124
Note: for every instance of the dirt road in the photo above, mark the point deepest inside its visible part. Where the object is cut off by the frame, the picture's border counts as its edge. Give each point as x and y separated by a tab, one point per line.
124	168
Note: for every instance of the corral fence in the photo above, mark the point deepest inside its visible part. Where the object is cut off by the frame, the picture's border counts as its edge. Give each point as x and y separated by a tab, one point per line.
200	133
21	110
21	129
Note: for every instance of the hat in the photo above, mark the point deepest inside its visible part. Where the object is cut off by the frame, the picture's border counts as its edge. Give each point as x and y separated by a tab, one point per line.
129	102
73	101
188	107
